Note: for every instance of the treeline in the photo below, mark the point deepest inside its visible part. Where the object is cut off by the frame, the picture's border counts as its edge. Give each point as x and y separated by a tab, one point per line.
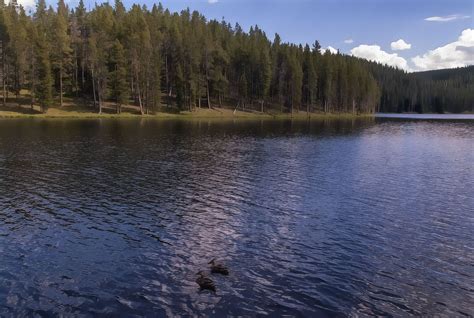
149	58
449	90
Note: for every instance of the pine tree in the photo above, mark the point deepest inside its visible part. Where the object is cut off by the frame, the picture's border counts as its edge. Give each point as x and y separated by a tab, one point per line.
62	46
4	42
44	86
119	76
119	55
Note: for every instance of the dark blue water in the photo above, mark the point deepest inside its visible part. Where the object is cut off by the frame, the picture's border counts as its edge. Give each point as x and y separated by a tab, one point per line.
335	218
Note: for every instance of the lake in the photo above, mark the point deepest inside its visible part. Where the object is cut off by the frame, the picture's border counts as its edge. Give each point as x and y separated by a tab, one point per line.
323	218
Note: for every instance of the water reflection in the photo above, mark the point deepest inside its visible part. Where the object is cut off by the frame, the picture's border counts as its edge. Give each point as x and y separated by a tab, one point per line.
318	218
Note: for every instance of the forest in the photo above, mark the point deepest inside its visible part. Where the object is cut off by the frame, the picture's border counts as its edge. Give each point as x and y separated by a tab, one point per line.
155	59
440	91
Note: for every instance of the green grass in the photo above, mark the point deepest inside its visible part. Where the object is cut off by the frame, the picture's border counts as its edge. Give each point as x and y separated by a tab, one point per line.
75	109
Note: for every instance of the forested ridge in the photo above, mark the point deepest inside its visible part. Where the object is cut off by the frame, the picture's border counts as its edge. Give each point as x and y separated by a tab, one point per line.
153	59
448	90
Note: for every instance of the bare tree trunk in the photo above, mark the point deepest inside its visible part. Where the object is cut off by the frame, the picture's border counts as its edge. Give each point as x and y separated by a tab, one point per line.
208	96
32	84
61	85
94	88
100	97
139	97
146	95
83	77
76	74
4	81
168	86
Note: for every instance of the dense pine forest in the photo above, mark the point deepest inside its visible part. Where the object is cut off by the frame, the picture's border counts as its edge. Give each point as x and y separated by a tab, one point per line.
450	90
155	59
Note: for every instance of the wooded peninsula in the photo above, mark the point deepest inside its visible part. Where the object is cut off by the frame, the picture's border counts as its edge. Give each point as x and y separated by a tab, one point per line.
112	58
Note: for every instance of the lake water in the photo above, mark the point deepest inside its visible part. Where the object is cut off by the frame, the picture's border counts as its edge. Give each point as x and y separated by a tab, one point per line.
427	116
321	218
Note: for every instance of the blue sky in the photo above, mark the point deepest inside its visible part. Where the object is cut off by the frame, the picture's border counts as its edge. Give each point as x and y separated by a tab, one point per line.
370	23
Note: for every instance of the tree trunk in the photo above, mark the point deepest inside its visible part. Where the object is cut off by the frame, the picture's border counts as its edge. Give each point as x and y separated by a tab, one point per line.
208	96
32	84
139	98
4	82
94	89
61	85
168	88
76	74
83	77
147	90
99	96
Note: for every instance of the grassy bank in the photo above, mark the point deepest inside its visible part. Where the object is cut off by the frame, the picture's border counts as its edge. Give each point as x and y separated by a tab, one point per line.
80	110
215	113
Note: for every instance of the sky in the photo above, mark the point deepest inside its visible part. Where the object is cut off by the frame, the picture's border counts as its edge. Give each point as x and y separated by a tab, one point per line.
415	35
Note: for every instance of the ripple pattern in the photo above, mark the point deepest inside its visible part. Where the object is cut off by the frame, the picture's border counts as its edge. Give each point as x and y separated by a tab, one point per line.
331	218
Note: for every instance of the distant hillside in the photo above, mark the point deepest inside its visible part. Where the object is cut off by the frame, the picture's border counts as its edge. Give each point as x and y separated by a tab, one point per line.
464	73
448	90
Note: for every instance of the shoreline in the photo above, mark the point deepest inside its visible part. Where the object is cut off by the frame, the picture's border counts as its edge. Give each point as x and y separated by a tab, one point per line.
215	113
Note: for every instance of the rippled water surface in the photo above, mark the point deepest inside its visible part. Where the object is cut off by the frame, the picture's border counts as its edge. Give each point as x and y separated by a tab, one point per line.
333	218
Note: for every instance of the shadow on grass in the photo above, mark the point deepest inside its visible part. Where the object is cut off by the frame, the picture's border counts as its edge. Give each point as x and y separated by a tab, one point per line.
15	108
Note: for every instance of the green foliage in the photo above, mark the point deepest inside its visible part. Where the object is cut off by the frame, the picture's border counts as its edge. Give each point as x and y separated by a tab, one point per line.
43	90
119	75
139	55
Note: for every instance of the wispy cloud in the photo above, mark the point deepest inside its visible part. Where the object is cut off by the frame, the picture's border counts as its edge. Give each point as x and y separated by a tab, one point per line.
447	18
212	1
349	41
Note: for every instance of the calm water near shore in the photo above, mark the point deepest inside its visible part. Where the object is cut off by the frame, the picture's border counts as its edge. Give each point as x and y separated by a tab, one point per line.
427	116
322	218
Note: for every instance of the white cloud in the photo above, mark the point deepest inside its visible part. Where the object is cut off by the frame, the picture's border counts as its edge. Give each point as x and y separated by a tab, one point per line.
25	3
349	41
400	45
330	49
456	54
212	1
447	18
375	53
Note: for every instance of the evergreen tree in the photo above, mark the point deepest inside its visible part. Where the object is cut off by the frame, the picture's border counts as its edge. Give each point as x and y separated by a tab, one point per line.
135	55
119	76
62	46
